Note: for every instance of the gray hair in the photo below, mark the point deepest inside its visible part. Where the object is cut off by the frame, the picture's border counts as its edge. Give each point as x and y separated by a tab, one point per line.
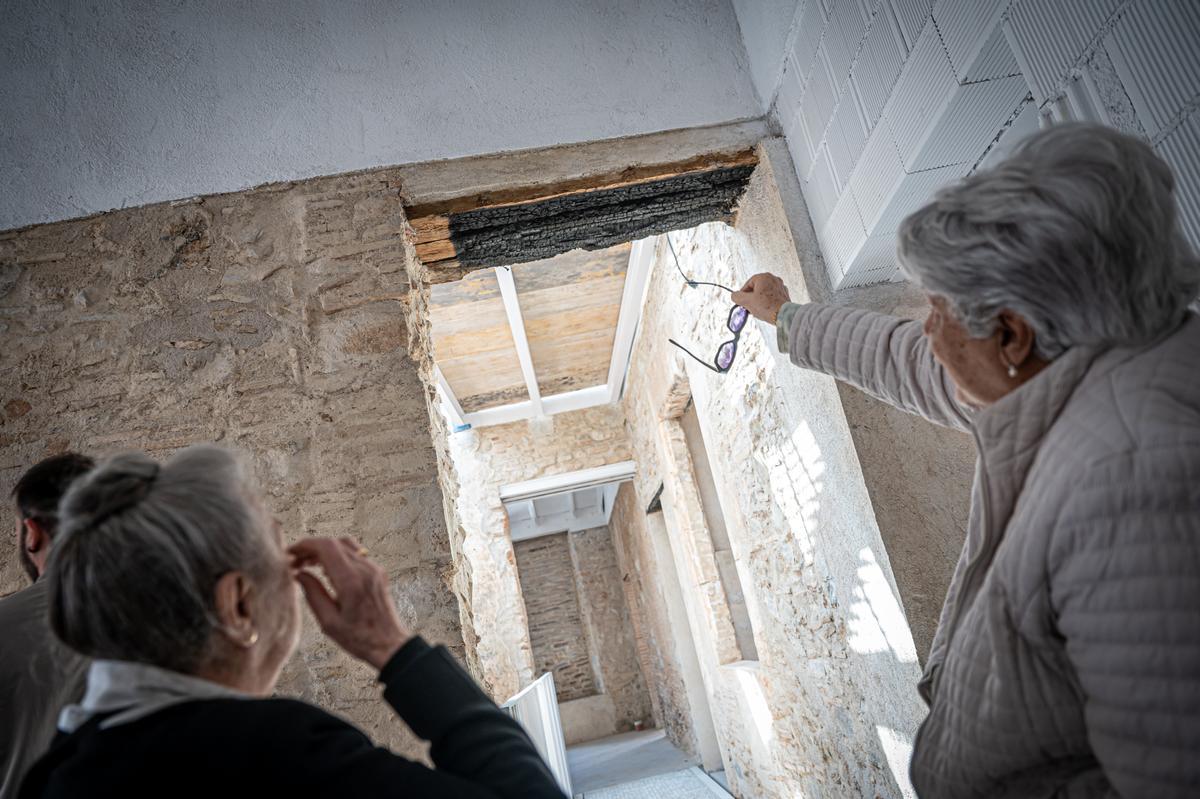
1077	232
139	552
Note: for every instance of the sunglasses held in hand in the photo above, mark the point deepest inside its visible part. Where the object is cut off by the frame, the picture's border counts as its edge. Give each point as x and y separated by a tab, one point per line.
736	321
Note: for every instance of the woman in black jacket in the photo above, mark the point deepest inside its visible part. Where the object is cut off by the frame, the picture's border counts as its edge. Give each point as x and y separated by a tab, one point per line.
176	580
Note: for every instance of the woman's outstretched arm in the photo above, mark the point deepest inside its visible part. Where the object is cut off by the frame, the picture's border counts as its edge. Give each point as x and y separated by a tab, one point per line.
884	356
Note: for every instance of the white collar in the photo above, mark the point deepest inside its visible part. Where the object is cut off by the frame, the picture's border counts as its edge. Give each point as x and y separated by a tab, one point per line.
131	691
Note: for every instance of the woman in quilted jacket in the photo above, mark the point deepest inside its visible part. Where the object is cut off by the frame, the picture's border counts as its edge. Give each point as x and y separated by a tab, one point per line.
1067	658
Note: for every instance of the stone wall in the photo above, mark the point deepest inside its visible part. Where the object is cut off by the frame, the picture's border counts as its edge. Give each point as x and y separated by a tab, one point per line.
551	599
646	580
609	627
271	321
473	465
830	707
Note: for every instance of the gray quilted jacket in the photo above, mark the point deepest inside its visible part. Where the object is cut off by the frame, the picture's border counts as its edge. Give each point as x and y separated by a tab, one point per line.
1067	658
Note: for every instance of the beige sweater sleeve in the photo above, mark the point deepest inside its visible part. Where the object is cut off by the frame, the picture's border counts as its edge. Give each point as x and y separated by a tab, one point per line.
884	356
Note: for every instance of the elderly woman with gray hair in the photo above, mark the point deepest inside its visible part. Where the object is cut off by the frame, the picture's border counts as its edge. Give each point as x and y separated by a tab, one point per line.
177	581
1067	658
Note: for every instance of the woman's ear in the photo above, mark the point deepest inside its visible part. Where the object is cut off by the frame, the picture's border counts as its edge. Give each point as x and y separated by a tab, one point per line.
232	597
1017	338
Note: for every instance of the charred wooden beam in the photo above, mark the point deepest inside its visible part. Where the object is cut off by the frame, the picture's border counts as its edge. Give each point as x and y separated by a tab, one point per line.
503	228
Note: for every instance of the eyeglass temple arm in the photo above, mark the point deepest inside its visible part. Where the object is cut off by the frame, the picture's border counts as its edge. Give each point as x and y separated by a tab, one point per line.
705	364
690	282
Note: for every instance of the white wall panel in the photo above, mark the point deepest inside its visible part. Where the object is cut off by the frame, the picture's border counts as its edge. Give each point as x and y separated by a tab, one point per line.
810	28
995	61
842	238
1155	48
820	100
938	122
821	190
791	90
846	30
875	262
961	130
911	15
802	150
1021	127
1181	149
969	29
1050	37
879	64
876	176
914	190
921	94
847	135
938	88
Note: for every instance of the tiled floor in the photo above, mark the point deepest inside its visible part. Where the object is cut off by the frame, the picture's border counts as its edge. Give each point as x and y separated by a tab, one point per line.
637	765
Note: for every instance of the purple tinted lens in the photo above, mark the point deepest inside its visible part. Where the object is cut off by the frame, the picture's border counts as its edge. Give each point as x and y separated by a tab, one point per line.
737	319
725	354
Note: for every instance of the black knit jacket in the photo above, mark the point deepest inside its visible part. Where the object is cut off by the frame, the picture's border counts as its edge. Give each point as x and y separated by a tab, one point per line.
261	748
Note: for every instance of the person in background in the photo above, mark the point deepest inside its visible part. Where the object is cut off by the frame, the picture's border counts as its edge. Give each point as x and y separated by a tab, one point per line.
37	674
190	626
1067	657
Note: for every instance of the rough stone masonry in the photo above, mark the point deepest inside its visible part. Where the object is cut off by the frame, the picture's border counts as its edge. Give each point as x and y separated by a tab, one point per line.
272	321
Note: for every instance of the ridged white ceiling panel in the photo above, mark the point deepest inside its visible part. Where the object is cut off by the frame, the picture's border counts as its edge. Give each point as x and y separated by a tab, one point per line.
961	131
996	60
846	30
1050	37
966	27
843	238
1155	48
876	176
808	38
1181	149
819	101
821	190
914	190
847	135
911	15
879	64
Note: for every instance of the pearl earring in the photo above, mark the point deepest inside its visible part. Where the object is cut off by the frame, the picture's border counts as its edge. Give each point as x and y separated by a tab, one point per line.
253	639
1012	371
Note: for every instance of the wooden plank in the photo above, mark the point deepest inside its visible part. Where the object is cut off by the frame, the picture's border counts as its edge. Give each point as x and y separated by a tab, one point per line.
629	176
430	228
432	251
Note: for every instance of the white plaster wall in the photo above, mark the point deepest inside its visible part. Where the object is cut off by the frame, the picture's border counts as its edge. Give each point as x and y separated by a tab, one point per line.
122	103
766	27
885	101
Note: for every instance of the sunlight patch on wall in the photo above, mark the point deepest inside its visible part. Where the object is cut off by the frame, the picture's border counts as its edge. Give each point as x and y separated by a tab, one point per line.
898	751
878	623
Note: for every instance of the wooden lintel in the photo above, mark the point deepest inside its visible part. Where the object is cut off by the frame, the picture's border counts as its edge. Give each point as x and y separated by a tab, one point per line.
432	251
433	215
526	223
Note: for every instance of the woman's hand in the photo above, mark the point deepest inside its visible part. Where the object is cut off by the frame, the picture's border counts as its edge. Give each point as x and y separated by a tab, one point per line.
359	616
763	296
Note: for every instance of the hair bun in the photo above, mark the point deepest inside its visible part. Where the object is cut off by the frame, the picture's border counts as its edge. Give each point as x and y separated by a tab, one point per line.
116	485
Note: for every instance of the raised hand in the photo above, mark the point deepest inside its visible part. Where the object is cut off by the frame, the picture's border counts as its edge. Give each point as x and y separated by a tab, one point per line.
359	615
763	296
